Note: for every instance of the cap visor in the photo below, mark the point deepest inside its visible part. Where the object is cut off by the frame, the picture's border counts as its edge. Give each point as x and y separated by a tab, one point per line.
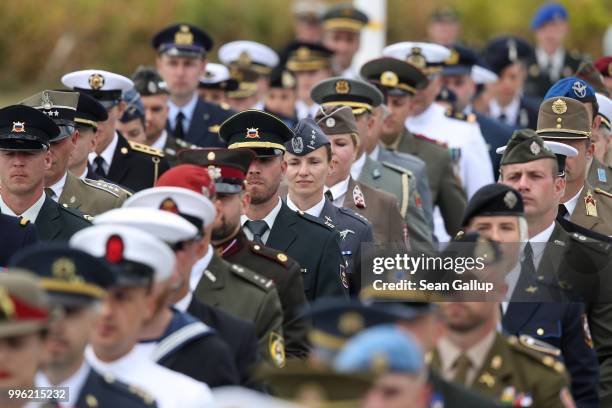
457	70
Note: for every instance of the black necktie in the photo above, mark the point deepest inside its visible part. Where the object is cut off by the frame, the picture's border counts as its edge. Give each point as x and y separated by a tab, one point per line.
526	284
328	194
562	211
49	192
99	166
258	228
179	133
503	118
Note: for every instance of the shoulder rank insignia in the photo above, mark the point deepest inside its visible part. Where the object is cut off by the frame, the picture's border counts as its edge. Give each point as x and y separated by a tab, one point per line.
143	148
591	204
214	128
328	221
601	175
104	186
358	197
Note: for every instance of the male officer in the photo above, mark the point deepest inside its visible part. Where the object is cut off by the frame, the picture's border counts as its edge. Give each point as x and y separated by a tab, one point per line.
154	95
310	63
215	83
567	121
230	168
133	165
457	77
342	26
89	112
510	370
507	57
252	55
181	60
282	95
308	159
378	207
365	101
19	234
467	145
600	171
444	26
398	79
76	282
170	337
88	196
496	211
238	333
140	260
533	170
245	95
268	220
217	282
24	158
551	61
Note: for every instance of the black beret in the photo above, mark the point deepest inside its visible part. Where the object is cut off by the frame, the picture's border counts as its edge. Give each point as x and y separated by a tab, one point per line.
494	199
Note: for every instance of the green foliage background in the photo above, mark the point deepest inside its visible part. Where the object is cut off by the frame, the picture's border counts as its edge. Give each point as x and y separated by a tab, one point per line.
41	40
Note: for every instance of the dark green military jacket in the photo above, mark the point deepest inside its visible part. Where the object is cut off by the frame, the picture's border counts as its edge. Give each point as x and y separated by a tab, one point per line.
250	296
58	223
92	197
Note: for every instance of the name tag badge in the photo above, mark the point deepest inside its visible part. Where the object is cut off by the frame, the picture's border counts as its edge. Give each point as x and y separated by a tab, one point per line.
304	270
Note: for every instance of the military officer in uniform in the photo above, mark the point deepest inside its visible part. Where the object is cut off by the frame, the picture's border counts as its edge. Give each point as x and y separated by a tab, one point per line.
76	282
89	112
379	207
154	95
310	63
457	77
496	211
133	165
308	159
24	158
268	220
20	233
89	196
550	61
140	260
215	83
567	121
181	60
252	55
24	318
282	95
600	171
512	370
342	24
365	100
230	168
554	262
604	66
507	57
446	190
174	338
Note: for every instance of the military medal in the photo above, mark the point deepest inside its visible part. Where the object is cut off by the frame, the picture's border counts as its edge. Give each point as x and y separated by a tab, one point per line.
591	205
358	198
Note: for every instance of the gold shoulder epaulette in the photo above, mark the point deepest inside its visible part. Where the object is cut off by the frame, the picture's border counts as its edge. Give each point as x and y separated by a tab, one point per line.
538	351
214	128
143	148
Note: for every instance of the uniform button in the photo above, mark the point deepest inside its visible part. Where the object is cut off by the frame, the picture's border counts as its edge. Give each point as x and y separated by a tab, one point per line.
540	331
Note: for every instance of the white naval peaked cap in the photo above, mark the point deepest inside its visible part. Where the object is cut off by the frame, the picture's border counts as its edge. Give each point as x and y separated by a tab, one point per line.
135	246
555	147
164	225
97	80
433	53
215	73
482	75
194	207
605	109
258	53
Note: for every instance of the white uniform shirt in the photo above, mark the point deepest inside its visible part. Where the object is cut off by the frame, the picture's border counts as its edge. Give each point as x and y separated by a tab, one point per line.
187	110
269	219
30	214
338	192
58	188
474	164
107	154
169	388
